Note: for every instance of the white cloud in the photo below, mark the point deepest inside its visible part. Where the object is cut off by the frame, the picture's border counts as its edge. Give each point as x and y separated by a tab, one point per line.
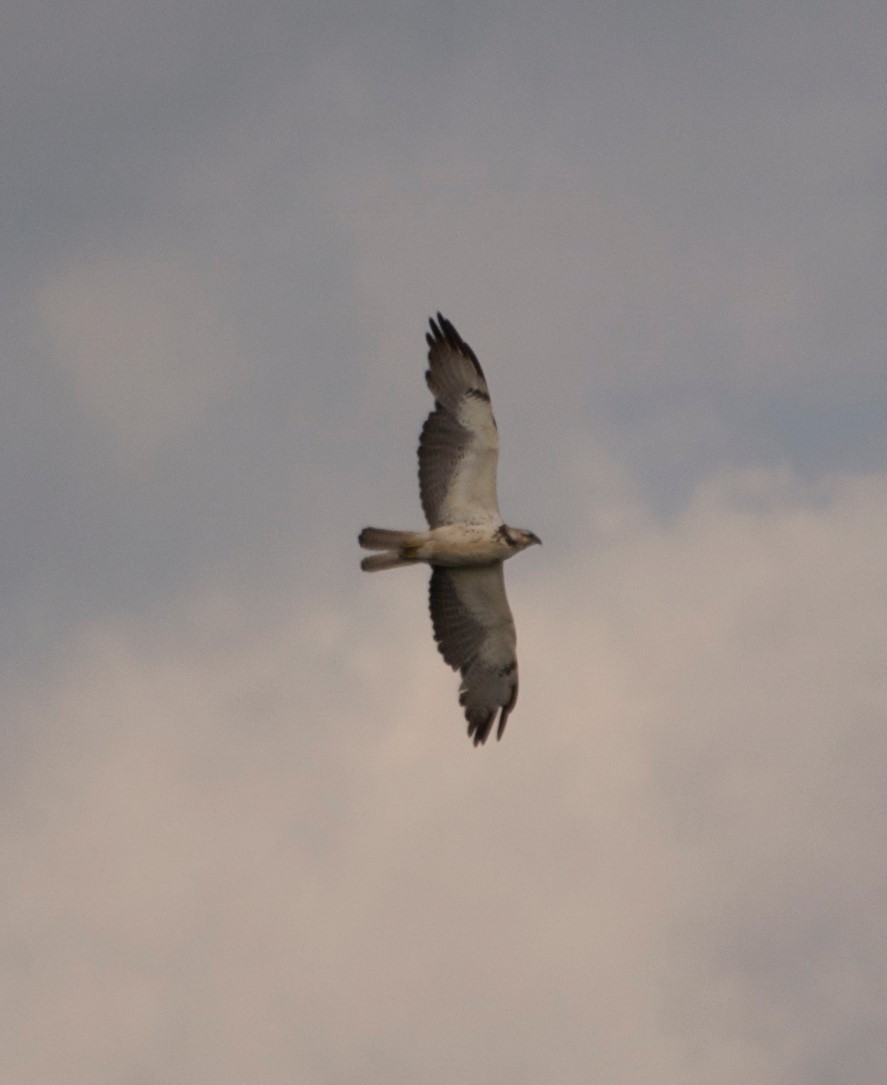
250	848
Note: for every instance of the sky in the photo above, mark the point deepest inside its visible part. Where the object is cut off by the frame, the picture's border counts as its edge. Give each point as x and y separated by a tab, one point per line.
243	834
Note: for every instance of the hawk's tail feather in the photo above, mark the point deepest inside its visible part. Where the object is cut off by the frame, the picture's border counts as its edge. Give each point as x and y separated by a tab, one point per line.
399	547
388	559
380	538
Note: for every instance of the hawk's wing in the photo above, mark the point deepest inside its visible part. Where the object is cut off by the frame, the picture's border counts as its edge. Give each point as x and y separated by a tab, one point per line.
459	446
474	631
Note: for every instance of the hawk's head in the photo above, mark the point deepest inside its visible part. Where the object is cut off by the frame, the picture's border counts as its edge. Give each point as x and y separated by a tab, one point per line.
519	537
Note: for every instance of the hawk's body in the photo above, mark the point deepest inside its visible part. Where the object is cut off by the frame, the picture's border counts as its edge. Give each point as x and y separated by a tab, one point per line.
467	541
448	545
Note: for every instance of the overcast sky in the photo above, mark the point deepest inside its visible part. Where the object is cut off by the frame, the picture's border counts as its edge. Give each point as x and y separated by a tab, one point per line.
243	835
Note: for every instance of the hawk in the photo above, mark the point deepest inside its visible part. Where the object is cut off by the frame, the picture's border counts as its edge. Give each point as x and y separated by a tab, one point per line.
466	542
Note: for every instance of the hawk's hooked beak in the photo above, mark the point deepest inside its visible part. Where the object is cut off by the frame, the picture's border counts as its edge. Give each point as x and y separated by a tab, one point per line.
533	538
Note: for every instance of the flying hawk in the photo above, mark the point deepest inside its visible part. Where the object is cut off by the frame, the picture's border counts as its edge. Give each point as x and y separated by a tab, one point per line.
467	541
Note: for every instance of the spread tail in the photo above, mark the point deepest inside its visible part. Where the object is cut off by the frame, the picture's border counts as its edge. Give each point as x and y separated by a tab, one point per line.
396	547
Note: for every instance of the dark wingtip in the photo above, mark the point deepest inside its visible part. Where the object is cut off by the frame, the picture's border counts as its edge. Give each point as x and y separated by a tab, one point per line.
443	331
506	712
479	730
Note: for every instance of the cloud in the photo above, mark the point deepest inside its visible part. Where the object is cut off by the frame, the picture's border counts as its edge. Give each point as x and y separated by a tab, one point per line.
245	837
243	842
143	343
